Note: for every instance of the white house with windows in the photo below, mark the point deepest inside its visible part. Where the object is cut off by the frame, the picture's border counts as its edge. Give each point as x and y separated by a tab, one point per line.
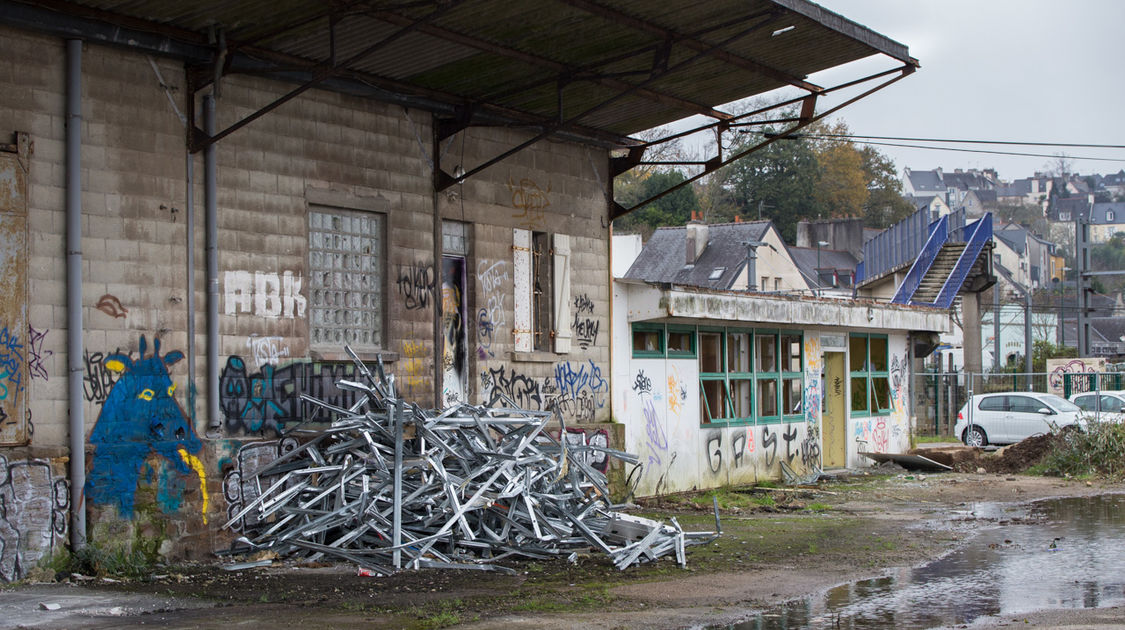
719	386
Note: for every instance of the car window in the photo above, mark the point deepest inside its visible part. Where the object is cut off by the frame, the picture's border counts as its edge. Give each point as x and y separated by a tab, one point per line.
1112	403
993	403
1086	403
1024	404
1059	403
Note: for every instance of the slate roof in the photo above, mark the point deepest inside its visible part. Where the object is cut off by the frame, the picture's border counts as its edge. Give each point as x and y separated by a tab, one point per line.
1018	188
966	181
1014	236
663	258
1099	213
986	195
926	181
806	259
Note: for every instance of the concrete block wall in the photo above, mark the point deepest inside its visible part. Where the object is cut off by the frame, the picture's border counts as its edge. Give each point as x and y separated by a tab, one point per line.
157	465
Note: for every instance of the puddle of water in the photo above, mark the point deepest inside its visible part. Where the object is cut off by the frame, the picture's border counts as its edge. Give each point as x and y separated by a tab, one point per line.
1071	556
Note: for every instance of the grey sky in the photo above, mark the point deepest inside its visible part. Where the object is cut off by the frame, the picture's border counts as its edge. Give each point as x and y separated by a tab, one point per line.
1021	70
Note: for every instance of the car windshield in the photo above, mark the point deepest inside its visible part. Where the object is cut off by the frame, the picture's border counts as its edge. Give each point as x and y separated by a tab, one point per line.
1059	403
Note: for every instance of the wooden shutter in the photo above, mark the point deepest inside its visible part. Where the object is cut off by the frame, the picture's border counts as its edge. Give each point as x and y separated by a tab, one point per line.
521	265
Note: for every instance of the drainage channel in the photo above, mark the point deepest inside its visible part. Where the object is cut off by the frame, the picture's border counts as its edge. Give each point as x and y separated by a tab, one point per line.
1066	553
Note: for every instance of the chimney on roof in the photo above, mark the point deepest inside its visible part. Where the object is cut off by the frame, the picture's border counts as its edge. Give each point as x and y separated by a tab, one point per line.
696	237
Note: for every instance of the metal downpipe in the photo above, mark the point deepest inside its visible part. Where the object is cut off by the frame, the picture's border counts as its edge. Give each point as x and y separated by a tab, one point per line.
210	200
75	368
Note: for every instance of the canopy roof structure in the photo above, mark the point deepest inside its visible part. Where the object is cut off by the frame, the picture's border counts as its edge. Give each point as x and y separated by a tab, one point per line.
593	70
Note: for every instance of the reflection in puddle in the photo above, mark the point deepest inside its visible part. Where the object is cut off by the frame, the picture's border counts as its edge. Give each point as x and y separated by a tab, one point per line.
1072	556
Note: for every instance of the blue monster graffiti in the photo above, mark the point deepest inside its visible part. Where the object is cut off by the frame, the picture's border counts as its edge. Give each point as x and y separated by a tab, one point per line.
140	418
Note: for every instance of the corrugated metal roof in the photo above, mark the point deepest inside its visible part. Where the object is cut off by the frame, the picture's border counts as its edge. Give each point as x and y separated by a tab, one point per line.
632	64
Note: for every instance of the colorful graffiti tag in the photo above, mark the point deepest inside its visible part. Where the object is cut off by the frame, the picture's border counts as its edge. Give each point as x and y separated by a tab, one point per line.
264	402
140	418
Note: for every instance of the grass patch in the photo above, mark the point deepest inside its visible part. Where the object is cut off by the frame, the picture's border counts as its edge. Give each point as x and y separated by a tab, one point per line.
930	439
819	507
1098	451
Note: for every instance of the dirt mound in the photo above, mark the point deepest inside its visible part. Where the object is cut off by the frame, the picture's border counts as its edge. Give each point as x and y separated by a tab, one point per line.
1015	458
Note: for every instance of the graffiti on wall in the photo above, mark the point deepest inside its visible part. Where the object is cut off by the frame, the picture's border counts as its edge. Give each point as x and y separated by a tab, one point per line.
494	281
585	326
414	365
97	380
598	460
416	285
265	401
454	357
33	515
11	364
267	349
37	355
677	391
733	456
110	305
138	419
578	390
1058	368
812	395
642	384
241	483
530	200
263	294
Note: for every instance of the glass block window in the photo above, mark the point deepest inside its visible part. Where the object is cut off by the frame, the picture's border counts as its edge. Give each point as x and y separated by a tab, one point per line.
453	238
346	268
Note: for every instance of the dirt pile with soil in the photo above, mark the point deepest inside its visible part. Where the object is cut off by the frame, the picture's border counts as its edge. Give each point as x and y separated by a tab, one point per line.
1015	458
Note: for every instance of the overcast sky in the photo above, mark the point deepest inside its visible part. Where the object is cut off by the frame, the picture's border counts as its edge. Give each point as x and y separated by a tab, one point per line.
1018	70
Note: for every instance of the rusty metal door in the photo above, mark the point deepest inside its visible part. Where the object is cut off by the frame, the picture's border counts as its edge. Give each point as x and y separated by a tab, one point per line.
13	292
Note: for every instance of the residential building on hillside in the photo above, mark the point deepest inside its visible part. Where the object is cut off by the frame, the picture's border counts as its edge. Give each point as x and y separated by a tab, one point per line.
746	256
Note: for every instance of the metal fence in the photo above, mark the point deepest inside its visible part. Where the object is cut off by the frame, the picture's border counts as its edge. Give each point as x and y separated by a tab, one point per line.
939	396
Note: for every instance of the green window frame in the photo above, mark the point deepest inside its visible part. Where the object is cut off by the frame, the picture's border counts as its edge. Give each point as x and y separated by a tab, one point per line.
868	374
681	342
750	375
648	341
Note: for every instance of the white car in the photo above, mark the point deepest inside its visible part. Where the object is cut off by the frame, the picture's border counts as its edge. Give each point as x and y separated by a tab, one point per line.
1104	405
1008	417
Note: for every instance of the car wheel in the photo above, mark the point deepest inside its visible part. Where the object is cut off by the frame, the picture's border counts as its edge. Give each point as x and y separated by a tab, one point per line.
974	436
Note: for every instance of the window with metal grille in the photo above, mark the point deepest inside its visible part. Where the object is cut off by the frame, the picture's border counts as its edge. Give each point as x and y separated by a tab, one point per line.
346	266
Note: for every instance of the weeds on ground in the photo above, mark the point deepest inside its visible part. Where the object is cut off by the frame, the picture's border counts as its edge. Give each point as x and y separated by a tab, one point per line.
127	561
447	616
1099	450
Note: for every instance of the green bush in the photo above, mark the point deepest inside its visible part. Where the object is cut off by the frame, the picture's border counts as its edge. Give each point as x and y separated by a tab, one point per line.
1099	450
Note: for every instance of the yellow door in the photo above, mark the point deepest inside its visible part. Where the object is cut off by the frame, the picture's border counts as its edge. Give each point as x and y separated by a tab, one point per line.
835	411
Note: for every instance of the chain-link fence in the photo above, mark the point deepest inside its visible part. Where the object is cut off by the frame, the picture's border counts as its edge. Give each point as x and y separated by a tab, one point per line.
939	396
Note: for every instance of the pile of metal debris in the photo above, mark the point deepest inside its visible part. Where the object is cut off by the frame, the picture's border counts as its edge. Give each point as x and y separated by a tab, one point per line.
388	485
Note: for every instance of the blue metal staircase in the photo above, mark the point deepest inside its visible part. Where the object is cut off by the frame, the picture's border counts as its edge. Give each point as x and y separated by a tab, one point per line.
946	262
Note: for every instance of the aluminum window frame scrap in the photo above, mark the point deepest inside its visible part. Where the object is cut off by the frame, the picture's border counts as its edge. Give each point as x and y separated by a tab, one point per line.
388	485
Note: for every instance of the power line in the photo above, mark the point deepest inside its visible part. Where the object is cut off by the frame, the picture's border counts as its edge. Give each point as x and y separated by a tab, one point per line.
956	141
959	150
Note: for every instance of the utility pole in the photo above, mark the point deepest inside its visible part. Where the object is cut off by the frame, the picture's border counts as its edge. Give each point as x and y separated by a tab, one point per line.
1081	258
